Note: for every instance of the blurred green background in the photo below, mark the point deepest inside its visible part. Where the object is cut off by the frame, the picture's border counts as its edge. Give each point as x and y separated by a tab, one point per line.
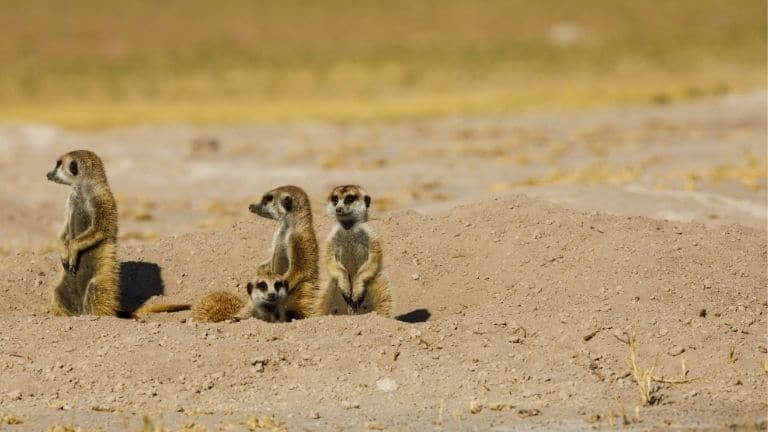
89	63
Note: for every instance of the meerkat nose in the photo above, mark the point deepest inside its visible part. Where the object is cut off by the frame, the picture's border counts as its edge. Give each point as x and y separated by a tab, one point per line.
339	210
49	175
253	208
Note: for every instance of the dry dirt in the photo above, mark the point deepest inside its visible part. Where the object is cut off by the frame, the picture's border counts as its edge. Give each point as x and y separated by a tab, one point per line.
512	312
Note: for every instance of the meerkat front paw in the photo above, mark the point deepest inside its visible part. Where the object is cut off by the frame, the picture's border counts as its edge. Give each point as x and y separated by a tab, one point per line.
357	299
65	262
72	263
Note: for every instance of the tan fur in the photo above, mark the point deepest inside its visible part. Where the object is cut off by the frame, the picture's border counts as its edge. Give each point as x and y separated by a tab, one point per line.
217	306
220	306
352	259
160	308
89	283
294	247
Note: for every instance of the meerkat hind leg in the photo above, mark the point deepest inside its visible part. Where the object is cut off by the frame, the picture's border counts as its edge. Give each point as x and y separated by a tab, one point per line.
377	299
300	301
331	301
96	301
68	296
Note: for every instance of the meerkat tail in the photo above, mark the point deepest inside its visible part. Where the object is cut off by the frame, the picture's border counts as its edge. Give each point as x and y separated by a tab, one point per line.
159	308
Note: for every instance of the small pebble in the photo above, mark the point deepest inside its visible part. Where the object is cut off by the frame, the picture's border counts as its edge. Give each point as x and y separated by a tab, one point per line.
676	351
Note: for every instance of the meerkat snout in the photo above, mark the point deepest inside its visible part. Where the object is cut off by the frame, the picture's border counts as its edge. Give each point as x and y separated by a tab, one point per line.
65	172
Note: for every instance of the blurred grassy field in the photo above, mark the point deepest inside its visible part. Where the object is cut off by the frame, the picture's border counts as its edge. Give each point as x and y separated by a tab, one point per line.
89	63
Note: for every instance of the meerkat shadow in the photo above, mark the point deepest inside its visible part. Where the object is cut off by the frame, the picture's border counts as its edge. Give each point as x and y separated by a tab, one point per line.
414	316
138	282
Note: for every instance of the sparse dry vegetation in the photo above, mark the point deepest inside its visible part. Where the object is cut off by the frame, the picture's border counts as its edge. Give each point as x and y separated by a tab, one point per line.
263	424
9	419
98	65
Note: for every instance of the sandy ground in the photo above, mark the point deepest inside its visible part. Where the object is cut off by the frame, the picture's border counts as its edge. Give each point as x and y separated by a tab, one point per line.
512	312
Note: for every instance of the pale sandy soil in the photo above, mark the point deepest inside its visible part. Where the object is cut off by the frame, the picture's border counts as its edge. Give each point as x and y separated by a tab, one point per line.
510	308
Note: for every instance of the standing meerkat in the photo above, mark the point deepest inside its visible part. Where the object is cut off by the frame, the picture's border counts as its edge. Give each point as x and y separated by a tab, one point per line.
352	258
89	283
294	246
267	294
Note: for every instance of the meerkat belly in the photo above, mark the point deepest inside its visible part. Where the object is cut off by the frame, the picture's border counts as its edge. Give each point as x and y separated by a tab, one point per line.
79	218
72	288
352	251
280	259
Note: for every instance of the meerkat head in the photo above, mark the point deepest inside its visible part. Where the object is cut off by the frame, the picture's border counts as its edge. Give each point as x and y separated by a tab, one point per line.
77	167
267	289
281	202
349	205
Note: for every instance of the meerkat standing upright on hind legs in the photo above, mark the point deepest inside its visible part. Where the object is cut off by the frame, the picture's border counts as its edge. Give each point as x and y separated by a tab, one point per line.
89	283
352	259
294	246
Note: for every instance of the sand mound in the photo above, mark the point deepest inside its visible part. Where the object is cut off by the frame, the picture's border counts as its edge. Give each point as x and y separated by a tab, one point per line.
510	314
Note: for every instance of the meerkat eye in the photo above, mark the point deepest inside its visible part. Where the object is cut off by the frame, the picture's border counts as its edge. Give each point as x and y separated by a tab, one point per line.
278	285
58	163
334	200
73	168
267	198
262	286
349	199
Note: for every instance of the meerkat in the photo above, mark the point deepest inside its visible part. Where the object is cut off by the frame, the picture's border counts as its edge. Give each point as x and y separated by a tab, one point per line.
267	294
294	246
352	258
89	283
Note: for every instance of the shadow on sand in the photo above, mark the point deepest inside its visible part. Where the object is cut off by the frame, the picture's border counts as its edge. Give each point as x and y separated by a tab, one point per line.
414	316
138	282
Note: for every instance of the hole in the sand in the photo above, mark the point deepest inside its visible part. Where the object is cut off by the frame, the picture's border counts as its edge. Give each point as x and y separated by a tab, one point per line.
414	316
138	282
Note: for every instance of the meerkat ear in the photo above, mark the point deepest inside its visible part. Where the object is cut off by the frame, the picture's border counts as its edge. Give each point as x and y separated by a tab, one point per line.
73	168
249	287
287	203
367	200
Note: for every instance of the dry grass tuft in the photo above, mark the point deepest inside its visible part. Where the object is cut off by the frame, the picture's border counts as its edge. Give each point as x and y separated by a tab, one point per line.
645	379
8	419
263	424
149	425
647	390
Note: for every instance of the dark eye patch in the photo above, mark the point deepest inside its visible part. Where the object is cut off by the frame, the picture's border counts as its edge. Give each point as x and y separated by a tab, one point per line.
278	285
58	163
267	198
73	168
262	286
335	200
349	199
287	203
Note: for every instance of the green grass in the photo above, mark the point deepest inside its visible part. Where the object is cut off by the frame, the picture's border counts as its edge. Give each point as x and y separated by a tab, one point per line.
87	63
